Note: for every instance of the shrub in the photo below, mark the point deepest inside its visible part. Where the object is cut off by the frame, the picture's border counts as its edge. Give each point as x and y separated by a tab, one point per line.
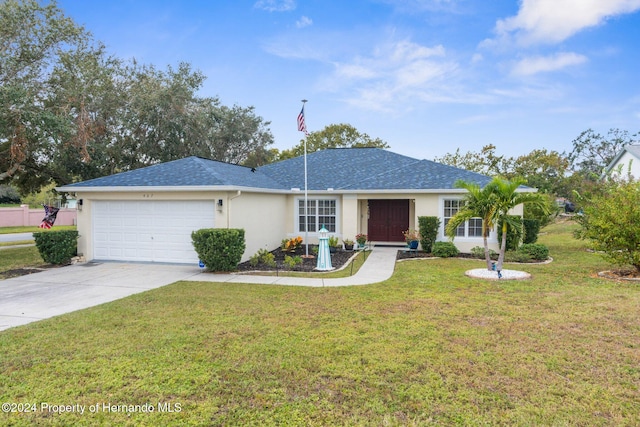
514	232
57	247
291	245
536	251
478	252
517	256
264	257
9	195
531	229
220	249
292	261
445	249
610	223
428	228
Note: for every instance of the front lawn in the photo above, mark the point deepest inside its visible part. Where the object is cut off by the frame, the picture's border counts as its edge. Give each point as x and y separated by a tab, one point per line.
18	258
33	229
428	346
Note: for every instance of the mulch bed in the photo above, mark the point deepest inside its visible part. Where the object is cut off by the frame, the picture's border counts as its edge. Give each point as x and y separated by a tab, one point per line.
338	259
421	254
622	274
17	272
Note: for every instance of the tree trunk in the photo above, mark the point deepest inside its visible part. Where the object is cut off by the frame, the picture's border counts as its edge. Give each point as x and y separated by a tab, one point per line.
503	247
487	255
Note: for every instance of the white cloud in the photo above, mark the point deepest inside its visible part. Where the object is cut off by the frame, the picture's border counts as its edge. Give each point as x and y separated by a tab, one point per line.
393	73
552	21
539	64
275	5
477	58
304	22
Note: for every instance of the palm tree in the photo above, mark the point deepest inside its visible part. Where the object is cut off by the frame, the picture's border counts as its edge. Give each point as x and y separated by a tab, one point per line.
492	203
506	198
478	203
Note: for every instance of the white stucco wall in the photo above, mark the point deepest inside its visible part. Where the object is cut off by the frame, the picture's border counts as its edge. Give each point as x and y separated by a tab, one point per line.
623	163
432	205
269	218
261	215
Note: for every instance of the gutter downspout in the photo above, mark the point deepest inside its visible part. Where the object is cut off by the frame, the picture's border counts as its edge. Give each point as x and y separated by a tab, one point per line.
238	194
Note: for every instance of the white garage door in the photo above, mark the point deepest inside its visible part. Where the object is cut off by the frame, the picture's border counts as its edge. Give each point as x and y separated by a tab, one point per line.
156	231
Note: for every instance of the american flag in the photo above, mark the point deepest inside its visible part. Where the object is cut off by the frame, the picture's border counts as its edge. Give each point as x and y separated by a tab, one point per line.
50	214
302	126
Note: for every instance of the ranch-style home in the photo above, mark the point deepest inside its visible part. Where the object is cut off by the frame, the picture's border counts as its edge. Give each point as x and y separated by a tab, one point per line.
148	214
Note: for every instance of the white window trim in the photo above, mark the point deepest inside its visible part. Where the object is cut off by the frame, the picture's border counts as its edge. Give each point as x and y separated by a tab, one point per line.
493	237
296	216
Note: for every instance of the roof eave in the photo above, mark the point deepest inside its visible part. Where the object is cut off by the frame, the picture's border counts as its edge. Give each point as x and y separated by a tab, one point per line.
215	188
166	189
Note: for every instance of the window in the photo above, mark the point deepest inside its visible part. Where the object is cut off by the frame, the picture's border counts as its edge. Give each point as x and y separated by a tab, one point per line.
475	227
319	213
471	228
451	207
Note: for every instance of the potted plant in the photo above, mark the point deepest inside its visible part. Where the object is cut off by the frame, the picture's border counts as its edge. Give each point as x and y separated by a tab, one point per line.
348	244
361	239
333	244
412	238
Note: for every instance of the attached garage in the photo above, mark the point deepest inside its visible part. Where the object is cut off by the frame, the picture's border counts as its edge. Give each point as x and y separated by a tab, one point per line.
148	230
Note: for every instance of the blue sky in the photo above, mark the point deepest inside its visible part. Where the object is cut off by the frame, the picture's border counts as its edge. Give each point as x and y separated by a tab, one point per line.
426	76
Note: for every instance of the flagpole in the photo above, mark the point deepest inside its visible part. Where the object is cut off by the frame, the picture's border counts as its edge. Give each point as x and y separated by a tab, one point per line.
306	193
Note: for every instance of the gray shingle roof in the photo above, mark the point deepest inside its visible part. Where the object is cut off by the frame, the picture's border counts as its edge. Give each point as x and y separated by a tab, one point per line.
354	169
367	169
190	171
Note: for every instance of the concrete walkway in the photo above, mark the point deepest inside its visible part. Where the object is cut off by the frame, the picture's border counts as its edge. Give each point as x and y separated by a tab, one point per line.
57	291
378	267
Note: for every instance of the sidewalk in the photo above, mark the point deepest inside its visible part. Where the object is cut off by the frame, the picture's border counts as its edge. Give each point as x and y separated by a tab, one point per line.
377	268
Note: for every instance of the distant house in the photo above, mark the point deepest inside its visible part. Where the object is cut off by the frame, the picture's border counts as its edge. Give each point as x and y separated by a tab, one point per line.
626	162
148	214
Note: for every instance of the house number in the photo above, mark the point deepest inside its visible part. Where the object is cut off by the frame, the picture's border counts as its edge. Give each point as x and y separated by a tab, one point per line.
147	196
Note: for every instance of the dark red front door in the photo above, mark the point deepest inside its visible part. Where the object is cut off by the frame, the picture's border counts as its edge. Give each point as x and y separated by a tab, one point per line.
388	219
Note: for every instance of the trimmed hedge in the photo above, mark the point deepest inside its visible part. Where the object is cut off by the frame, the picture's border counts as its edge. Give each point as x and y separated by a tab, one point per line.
57	247
428	227
220	249
536	251
531	230
445	250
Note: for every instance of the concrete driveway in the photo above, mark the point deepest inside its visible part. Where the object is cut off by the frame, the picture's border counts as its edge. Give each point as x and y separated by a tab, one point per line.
62	290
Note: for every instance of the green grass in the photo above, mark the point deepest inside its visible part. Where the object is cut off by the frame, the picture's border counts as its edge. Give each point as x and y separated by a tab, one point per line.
16	242
33	229
429	346
19	258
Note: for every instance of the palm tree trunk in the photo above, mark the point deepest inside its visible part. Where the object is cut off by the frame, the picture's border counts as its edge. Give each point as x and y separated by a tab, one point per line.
503	247
487	255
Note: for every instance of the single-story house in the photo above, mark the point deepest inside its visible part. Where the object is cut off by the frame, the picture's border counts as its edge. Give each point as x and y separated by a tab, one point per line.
625	162
148	214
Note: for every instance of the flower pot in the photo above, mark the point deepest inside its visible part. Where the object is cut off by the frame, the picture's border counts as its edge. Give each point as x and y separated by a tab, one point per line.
348	247
413	245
